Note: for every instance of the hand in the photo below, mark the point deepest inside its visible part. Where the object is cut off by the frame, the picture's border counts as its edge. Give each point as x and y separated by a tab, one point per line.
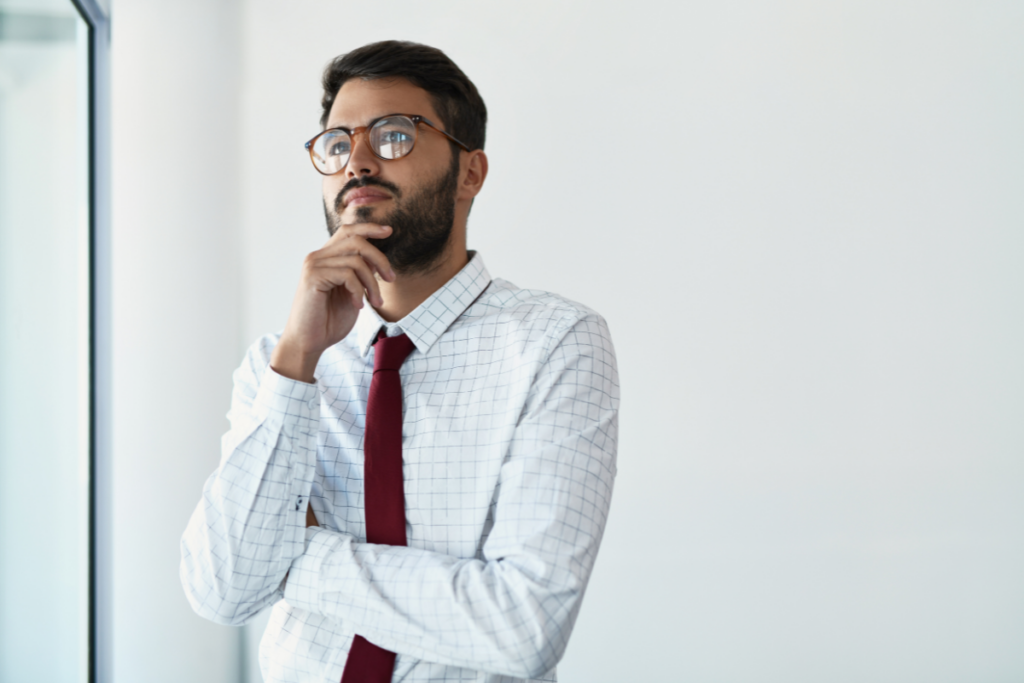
329	297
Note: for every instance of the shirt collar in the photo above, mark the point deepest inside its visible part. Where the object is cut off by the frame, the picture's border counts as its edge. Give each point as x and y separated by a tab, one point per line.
430	319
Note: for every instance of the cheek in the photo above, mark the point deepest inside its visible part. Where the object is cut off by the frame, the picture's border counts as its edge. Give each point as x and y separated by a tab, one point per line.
410	176
330	190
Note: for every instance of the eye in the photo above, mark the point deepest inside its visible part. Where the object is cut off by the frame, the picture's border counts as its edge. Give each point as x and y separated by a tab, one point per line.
395	137
339	147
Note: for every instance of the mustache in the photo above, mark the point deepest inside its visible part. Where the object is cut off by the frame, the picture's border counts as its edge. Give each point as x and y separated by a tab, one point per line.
365	181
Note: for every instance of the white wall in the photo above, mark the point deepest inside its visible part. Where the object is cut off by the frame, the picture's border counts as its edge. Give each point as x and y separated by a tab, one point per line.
175	318
803	224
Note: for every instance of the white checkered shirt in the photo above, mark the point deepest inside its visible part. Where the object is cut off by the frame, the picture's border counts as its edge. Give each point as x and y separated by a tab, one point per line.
510	417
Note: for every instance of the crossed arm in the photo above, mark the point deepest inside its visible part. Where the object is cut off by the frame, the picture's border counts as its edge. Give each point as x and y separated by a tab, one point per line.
510	611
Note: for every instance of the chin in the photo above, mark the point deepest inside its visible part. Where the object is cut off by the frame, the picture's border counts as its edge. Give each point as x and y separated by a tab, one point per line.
368	213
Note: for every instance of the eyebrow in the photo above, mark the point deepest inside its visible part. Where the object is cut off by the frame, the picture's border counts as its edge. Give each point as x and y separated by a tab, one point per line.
372	119
338	125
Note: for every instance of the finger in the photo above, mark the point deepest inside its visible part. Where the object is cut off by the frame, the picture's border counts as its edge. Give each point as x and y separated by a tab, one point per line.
362	271
328	279
358	245
375	230
355	288
338	294
331	280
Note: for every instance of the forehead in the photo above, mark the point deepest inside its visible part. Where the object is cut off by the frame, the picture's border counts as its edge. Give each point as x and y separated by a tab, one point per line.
358	102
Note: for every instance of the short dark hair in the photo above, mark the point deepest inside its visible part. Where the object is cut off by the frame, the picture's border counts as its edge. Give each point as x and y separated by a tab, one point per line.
455	98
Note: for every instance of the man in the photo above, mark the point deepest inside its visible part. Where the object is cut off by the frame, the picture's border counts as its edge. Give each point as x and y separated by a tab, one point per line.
419	467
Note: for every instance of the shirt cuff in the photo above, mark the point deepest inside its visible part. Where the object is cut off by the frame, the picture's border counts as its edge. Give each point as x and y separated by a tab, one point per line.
302	589
279	395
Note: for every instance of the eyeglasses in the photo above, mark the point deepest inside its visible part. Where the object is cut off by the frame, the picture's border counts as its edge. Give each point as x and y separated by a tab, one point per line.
391	137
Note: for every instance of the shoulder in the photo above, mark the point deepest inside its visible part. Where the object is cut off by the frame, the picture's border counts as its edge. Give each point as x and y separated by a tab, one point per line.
532	317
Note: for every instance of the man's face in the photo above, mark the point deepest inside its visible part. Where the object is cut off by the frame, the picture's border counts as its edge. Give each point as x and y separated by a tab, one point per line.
415	195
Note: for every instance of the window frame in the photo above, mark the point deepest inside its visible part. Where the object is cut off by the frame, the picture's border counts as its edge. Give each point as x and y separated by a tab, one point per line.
100	603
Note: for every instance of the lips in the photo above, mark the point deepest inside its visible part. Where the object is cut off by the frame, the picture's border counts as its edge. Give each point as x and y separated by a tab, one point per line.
364	195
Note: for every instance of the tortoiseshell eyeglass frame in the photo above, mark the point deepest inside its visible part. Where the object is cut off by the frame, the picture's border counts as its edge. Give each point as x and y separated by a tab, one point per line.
416	120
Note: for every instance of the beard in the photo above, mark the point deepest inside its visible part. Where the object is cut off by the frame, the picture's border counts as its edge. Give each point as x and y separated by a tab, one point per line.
421	224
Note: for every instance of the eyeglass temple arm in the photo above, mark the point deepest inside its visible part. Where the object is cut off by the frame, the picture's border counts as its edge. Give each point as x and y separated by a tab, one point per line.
454	139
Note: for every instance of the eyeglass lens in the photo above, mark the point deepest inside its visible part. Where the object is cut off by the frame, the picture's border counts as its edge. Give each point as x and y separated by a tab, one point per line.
390	138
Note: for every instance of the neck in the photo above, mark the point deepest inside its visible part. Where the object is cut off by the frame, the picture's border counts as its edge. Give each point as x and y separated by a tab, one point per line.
408	291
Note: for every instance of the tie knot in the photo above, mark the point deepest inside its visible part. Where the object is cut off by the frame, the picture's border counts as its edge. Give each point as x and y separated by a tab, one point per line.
390	352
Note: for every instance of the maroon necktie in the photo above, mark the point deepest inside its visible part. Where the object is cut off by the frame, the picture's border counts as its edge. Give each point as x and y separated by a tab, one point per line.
384	495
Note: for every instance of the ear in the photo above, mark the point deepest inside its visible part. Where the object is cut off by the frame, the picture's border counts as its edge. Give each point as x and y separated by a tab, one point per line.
474	172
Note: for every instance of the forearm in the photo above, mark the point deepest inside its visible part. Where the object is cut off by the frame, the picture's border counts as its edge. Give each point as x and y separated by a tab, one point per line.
510	612
496	616
509	609
250	523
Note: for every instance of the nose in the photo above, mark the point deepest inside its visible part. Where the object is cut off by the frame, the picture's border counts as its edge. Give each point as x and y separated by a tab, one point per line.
362	161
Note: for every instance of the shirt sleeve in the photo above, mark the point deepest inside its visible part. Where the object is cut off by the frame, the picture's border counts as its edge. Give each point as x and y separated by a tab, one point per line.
251	520
511	611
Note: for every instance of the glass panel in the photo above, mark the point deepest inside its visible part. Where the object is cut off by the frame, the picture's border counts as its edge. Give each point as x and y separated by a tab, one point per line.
44	342
393	138
331	150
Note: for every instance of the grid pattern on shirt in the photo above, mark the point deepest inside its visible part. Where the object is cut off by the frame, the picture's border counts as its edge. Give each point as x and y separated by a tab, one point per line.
510	405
